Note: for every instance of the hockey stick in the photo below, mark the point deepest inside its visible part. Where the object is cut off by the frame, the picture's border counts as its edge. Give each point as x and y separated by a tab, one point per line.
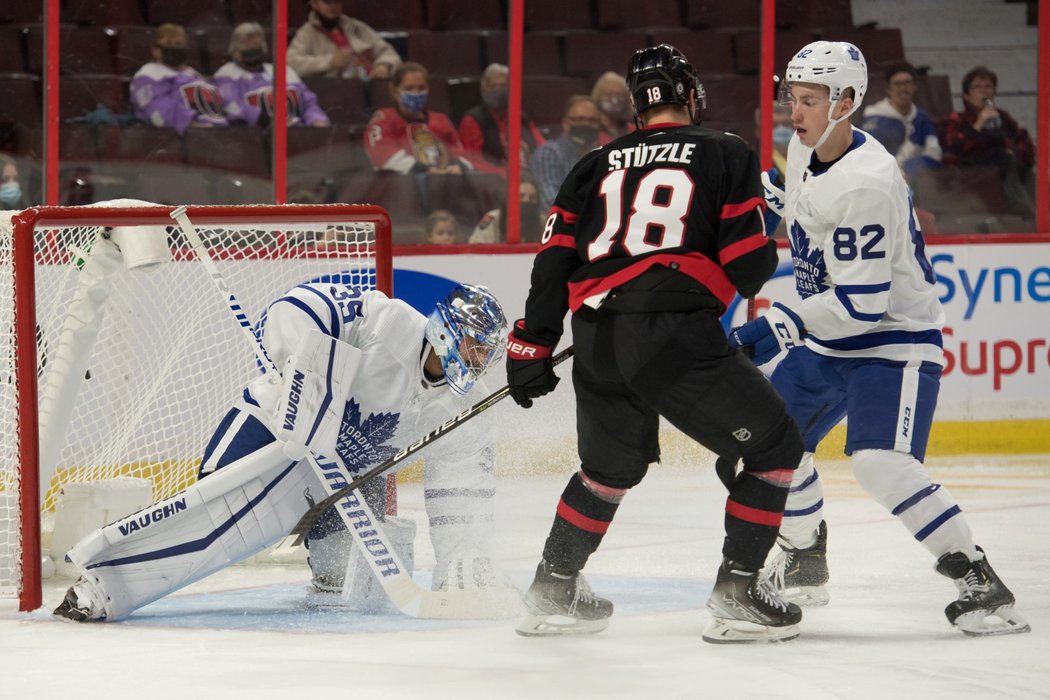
302	528
409	597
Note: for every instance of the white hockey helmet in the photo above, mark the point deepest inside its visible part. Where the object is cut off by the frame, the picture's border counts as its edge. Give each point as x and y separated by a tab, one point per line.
468	331
835	64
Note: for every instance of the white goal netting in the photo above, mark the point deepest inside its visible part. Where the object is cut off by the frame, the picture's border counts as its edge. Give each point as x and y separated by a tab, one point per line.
137	352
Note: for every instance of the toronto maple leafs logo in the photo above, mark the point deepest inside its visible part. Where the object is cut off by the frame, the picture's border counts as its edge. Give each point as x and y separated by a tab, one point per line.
361	443
808	262
853	52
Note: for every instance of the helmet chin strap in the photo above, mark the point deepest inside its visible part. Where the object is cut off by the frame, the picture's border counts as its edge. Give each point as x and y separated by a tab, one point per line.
832	123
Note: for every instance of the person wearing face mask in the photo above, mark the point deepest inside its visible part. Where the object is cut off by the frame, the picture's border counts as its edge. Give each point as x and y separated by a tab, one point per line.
904	128
409	138
493	225
483	128
334	45
168	92
10	190
246	84
554	159
614	102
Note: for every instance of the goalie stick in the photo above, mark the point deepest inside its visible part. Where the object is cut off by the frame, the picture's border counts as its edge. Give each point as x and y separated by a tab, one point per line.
409	597
306	523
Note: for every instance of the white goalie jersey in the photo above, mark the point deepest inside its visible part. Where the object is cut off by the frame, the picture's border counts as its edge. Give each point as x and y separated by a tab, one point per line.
859	259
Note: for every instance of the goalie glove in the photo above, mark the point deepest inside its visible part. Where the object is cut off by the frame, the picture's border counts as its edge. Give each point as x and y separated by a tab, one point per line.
530	370
776	198
767	336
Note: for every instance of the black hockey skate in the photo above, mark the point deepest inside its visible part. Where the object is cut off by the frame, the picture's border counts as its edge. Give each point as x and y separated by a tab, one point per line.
985	604
746	608
81	603
560	604
800	575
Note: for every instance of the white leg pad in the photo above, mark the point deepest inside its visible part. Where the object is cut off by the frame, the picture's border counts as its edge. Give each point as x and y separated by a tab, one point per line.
805	505
231	515
930	513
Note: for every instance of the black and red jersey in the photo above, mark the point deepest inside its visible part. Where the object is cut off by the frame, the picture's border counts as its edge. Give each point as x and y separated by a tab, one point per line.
666	217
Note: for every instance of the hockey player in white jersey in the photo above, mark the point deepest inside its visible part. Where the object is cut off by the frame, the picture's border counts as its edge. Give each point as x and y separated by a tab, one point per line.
398	375
865	341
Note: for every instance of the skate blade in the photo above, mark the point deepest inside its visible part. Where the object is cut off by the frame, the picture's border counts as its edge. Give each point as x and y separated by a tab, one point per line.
725	631
806	596
558	626
983	623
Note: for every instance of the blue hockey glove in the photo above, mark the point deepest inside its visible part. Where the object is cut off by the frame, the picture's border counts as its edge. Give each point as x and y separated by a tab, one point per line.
776	198
767	336
530	369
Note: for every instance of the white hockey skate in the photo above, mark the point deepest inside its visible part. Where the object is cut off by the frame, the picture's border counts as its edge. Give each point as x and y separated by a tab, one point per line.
985	604
560	604
800	576
746	609
83	603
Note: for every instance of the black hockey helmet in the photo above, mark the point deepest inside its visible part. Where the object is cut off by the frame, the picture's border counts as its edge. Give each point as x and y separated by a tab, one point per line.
663	75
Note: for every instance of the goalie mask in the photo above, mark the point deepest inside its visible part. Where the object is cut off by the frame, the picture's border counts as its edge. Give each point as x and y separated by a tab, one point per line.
661	75
468	331
837	65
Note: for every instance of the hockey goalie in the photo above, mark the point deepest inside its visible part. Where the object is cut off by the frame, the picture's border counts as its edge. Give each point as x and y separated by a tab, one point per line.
362	376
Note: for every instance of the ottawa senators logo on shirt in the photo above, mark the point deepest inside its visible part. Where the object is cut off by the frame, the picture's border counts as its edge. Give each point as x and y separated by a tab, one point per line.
262	98
203	98
428	148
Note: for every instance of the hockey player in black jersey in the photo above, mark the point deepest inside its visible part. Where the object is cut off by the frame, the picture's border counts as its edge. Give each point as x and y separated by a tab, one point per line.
648	241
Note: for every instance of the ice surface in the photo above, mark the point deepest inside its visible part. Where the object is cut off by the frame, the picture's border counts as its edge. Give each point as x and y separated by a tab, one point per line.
247	631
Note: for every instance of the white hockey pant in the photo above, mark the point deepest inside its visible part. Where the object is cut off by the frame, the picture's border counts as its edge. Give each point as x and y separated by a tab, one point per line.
805	505
231	515
900	483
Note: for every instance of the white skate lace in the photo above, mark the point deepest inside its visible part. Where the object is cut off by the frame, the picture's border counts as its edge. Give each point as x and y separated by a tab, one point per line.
969	585
765	591
582	593
776	572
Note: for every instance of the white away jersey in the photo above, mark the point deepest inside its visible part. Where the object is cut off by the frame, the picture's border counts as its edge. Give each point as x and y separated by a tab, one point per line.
859	258
391	405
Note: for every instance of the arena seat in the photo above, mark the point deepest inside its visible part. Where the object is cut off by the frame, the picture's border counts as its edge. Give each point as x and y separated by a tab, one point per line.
541	52
615	14
822	14
392	14
557	15
544	96
102	12
708	14
240	149
468	197
78	142
467	14
589	54
20	99
80	94
132	49
747	48
343	100
188	13
711	52
84	50
140	143
964	199
21	12
447	52
12	54
731	103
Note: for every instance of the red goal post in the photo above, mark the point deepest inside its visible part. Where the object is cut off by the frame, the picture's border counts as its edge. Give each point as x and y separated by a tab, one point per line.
118	354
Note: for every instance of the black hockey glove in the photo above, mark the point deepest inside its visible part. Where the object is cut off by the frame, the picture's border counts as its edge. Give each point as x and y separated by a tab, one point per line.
530	371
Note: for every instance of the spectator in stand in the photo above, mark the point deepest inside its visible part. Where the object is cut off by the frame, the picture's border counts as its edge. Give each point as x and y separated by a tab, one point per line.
334	45
614	102
409	138
904	128
440	228
11	196
554	159
483	128
168	92
246	84
493	225
984	134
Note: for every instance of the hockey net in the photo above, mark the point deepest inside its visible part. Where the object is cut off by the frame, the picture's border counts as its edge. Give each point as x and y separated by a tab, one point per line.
137	356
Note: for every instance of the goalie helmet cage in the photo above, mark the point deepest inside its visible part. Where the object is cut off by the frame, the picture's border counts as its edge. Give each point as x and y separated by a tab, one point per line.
118	357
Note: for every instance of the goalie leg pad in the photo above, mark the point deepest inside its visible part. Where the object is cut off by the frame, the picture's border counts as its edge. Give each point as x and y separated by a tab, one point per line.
227	517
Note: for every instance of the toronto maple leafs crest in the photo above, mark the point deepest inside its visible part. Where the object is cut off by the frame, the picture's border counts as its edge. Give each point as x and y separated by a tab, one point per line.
808	262
362	443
